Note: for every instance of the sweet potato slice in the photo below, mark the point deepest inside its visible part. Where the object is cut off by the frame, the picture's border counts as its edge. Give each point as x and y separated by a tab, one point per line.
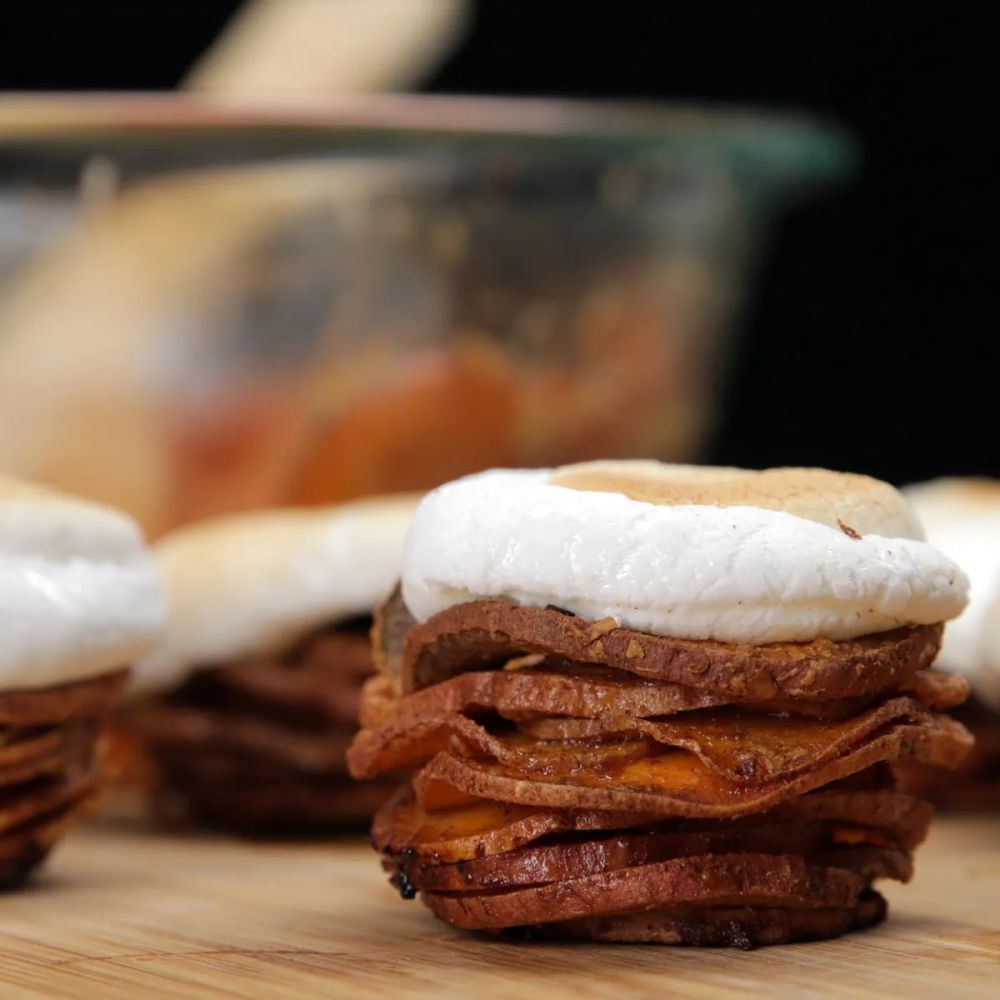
743	927
316	684
480	829
539	864
580	701
376	752
704	880
273	806
676	783
167	728
484	829
42	798
480	635
737	746
937	690
91	697
580	691
46	752
36	837
756	748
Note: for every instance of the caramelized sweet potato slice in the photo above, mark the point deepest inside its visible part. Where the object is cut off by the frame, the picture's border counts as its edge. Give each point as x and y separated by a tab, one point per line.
579	690
738	746
376	752
743	927
752	748
540	864
479	829
676	783
166	728
47	752
705	880
481	635
483	828
89	698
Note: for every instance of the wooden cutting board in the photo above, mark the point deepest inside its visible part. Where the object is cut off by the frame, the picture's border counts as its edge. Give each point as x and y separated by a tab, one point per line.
126	914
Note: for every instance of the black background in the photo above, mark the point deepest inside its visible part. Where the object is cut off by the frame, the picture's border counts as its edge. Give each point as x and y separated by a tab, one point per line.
871	341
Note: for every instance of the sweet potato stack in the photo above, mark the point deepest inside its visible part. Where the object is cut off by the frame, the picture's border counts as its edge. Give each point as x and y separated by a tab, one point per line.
241	717
577	779
80	600
258	745
48	766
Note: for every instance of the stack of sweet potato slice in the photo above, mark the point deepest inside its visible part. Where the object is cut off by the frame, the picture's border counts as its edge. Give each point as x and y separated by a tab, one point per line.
578	779
48	765
259	746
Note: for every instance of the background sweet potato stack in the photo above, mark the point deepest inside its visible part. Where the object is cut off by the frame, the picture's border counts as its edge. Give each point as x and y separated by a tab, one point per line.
243	716
80	598
579	778
48	766
259	745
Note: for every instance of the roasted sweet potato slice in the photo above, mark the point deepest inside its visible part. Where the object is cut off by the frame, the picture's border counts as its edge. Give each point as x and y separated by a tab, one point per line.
376	752
483	829
273	806
539	864
579	690
167	728
737	746
563	860
89	698
705	880
481	635
743	927
42	798
35	837
755	748
312	686
480	829
52	751
675	783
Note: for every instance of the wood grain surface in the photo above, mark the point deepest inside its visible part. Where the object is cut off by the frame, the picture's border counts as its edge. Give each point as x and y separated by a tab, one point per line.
124	914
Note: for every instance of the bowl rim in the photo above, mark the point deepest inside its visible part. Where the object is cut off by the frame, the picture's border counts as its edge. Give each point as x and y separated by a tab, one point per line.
781	142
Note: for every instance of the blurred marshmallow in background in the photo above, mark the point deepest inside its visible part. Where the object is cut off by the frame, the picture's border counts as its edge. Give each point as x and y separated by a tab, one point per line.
962	519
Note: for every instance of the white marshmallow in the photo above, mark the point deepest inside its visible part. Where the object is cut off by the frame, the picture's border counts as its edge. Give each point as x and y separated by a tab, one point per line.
252	583
962	517
734	573
79	593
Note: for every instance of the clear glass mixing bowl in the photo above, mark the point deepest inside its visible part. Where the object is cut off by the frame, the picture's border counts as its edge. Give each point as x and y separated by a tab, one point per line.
204	308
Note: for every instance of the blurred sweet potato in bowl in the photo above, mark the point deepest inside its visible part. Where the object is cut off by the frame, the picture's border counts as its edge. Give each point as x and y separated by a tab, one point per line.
304	304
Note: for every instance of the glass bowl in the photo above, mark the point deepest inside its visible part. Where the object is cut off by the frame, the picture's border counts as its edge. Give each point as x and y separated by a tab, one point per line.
206	308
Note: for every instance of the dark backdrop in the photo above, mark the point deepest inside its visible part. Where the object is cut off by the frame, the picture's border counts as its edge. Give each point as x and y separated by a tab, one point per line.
870	342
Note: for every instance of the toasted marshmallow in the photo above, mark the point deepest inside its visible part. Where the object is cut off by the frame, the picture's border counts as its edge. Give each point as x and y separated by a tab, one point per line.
962	517
250	584
79	592
696	553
